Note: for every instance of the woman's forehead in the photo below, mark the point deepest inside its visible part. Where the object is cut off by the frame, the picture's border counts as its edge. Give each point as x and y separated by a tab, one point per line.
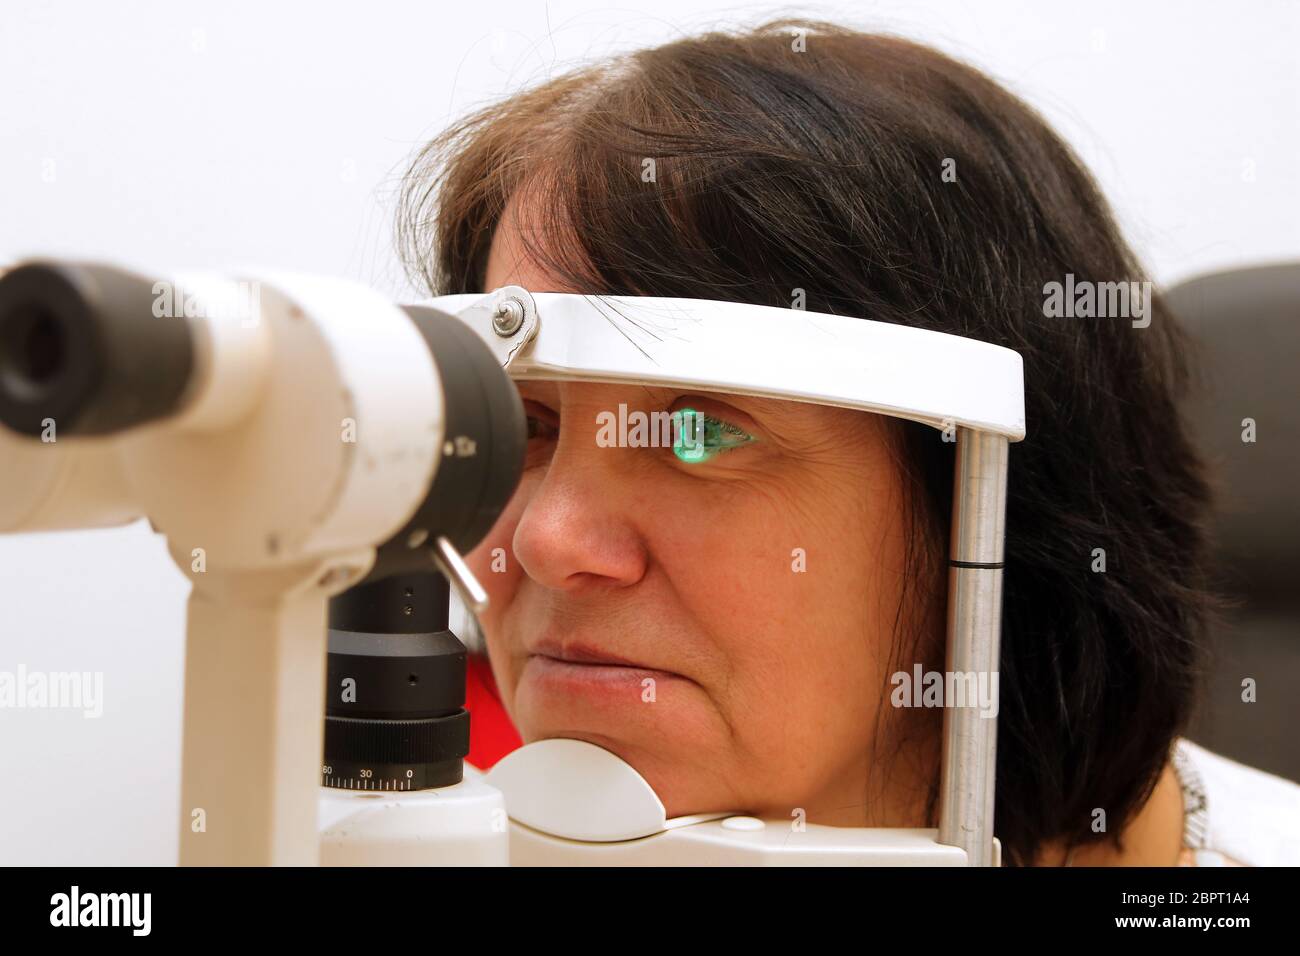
509	261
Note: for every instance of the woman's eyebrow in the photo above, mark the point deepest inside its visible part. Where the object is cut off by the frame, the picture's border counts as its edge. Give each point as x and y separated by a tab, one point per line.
773	409
776	408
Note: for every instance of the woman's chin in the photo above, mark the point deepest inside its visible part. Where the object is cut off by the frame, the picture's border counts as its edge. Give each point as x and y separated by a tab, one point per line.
633	708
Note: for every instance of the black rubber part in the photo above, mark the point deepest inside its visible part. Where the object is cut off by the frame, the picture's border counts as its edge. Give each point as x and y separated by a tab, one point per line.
403	743
381	606
403	726
398	672
81	346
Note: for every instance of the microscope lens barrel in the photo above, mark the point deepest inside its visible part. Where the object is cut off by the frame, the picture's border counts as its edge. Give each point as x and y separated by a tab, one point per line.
484	447
395	688
80	347
395	692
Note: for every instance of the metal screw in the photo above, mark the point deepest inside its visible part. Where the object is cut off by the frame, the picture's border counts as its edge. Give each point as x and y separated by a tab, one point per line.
508	317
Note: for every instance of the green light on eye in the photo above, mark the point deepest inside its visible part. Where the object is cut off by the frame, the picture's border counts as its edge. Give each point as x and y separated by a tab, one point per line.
700	437
688	440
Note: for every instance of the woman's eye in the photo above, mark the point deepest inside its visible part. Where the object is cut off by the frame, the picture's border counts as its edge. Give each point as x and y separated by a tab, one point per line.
542	435
539	428
700	437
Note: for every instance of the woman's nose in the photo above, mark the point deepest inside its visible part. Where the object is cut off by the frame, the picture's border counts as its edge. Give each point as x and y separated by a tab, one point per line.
578	528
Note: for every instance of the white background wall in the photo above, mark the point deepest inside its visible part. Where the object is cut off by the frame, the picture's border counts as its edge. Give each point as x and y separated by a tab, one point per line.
169	135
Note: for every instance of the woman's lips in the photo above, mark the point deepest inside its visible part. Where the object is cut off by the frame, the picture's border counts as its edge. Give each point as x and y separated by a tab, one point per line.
575	653
592	677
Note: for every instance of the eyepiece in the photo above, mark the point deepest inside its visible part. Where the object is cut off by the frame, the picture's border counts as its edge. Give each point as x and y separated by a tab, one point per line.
33	349
80	347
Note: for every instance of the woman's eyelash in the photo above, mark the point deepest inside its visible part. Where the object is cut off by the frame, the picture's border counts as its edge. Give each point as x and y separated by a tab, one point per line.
702	436
538	428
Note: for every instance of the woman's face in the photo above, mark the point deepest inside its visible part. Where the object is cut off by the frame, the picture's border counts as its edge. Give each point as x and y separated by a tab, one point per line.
751	596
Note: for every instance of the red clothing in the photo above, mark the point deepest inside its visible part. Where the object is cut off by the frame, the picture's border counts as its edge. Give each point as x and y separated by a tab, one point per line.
491	733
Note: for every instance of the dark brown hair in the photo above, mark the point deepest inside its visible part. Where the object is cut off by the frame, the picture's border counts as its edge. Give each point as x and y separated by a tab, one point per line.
778	168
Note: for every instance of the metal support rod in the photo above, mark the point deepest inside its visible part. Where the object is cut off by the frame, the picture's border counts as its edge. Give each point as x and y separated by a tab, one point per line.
969	758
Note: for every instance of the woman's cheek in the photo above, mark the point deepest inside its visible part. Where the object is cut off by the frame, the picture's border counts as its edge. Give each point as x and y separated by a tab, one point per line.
493	561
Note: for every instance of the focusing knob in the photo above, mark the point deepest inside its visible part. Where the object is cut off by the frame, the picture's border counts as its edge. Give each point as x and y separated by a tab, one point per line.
395	754
395	715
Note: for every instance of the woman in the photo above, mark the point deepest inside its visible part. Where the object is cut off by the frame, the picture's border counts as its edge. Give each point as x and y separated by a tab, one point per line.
805	165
